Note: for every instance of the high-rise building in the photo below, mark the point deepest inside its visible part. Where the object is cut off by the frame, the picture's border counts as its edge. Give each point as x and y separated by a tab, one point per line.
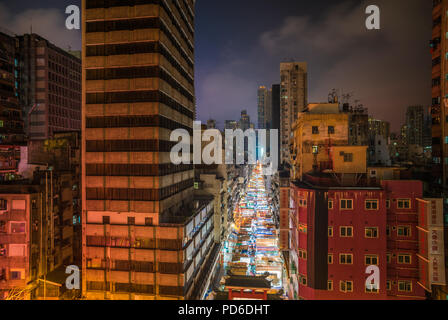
245	123
211	124
264	108
11	121
415	122
231	125
49	87
294	99
275	114
145	235
439	92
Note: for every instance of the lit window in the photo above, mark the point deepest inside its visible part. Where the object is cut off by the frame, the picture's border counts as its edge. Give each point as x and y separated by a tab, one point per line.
372	232
315	149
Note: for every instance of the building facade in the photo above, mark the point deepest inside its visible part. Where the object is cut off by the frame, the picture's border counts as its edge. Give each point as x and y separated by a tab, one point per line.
294	99
264	108
145	236
49	87
11	121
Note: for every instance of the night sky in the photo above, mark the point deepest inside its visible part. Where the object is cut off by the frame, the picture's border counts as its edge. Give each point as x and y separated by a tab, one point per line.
240	44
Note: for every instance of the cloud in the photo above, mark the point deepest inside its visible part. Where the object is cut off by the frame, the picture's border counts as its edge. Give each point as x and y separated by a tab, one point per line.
387	70
48	23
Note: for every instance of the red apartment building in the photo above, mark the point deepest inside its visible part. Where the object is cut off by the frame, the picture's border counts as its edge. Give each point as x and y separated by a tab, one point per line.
338	231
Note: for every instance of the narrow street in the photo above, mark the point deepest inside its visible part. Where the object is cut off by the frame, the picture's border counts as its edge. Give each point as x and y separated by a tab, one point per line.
252	247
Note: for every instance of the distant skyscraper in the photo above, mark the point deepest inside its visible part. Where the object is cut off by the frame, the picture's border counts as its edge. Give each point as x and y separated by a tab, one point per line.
294	99
264	108
244	121
231	125
415	121
211	124
275	113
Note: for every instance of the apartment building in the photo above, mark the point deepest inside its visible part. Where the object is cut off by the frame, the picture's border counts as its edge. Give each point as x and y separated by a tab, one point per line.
49	86
11	123
294	99
22	227
342	222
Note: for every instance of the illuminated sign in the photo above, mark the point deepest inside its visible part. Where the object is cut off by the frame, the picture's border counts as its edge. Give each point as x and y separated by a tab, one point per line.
436	247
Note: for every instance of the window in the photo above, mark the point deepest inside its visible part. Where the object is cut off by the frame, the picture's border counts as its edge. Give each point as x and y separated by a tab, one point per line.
346	232
302	254
346	258
330	232
348	157
16	274
346	286
371	260
388	285
387	204
315	149
330	130
106	220
371	232
148	221
404	258
303	280
17	250
18	204
17	227
330	204
388	231
330	285
389	258
404	231
405	286
3	204
371	204
346	204
371	288
315	130
131	221
330	258
404	203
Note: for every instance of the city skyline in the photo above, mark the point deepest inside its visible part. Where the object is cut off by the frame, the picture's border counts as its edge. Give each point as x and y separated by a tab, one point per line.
229	60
